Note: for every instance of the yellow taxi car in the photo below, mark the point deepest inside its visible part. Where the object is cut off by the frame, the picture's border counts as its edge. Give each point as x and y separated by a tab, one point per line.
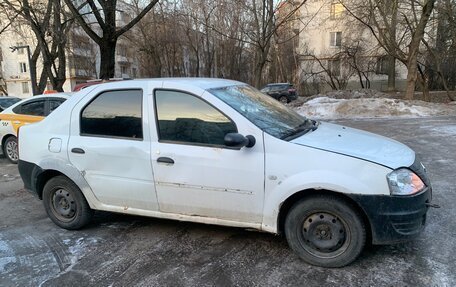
25	112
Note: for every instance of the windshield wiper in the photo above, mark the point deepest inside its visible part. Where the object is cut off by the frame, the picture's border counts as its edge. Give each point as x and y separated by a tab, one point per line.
305	127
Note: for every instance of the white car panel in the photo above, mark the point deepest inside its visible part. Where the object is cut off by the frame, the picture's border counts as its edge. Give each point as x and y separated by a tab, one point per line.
360	144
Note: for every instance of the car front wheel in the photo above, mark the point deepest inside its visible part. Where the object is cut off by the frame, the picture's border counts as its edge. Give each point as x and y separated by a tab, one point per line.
325	231
10	149
65	204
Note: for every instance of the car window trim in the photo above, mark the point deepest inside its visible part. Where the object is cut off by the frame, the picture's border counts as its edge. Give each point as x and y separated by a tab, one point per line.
108	136
182	142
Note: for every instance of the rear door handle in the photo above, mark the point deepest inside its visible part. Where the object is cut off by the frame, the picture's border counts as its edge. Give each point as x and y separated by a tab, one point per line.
165	160
77	150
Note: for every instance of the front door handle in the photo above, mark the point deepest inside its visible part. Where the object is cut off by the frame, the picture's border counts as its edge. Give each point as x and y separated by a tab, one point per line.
165	160
77	150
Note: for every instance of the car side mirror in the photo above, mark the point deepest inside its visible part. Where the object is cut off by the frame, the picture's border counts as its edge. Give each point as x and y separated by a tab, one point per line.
237	140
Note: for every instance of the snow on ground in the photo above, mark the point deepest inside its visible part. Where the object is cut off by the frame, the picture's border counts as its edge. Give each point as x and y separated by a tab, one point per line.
361	105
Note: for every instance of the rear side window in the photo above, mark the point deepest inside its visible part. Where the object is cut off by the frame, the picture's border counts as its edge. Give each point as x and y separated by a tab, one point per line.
34	108
184	118
114	114
54	104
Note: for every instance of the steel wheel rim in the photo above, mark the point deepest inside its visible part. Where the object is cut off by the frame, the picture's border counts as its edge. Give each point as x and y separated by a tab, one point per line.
11	150
325	235
63	205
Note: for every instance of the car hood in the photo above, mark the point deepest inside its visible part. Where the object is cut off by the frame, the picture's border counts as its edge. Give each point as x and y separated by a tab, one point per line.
358	144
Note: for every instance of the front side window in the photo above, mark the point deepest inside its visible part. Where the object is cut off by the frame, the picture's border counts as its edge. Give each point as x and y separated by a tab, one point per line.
35	108
114	114
184	118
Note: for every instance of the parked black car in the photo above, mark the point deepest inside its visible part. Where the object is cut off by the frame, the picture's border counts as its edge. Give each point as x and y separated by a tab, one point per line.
5	102
283	92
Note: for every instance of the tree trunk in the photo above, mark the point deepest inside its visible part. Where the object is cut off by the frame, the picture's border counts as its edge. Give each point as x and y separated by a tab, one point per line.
412	74
258	74
391	74
392	39
108	59
414	46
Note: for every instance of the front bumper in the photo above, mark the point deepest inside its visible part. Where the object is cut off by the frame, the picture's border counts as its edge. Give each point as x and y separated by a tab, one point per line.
395	218
293	97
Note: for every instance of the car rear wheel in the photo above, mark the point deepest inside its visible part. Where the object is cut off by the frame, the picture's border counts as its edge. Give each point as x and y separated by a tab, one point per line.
283	99
10	149
65	204
325	231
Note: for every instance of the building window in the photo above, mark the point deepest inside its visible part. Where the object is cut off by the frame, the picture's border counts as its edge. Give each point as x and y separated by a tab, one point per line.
20	51
335	39
23	67
122	50
123	70
25	88
337	9
382	65
334	67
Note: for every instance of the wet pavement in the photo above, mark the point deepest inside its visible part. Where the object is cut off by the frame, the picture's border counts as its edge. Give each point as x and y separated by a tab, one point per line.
119	250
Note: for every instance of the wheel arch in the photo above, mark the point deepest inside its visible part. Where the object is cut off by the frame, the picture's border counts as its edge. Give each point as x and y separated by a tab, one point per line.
301	195
5	137
44	177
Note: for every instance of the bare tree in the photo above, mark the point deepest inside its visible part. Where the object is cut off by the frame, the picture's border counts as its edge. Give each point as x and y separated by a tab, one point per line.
381	17
106	32
50	28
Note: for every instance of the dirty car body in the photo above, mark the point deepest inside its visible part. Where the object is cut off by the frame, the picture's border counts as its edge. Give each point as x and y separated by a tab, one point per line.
221	152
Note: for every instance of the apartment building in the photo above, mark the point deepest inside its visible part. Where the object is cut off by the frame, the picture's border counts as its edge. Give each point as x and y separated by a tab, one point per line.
82	56
336	51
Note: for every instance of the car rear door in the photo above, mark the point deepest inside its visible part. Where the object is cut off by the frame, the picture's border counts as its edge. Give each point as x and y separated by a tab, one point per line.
110	145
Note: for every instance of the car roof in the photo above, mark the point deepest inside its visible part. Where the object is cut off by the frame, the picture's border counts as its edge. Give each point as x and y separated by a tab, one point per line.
203	83
277	84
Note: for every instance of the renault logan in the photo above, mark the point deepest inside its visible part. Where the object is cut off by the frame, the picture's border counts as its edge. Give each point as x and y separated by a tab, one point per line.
221	152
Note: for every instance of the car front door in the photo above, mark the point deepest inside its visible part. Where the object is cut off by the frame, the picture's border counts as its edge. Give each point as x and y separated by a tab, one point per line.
195	173
110	146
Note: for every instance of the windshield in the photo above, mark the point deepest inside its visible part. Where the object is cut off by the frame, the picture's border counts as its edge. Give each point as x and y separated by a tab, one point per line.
266	113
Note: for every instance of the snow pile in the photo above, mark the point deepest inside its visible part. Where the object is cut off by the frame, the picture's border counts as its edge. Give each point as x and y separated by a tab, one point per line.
360	107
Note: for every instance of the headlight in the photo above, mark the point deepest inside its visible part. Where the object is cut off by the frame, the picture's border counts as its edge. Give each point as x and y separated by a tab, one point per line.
404	182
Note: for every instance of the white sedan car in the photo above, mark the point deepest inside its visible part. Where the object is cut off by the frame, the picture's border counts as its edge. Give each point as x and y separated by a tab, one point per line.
221	152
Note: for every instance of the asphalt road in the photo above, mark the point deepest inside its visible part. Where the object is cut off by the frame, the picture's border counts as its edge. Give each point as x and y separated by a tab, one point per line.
119	250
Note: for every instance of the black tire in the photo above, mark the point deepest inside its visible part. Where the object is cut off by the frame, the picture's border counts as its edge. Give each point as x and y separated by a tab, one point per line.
65	204
325	231
10	149
283	99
